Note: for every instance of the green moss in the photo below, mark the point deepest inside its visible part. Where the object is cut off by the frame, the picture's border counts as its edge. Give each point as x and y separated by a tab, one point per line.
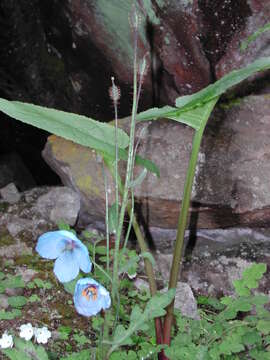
85	184
5	238
3	206
26	237
64	310
25	260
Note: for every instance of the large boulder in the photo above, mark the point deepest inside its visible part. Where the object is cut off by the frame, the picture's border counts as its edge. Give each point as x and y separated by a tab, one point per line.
236	55
231	185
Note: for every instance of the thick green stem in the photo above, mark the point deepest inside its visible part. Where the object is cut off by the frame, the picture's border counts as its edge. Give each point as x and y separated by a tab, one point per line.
183	217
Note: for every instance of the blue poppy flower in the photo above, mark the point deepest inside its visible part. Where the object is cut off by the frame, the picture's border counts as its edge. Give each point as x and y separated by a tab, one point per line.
70	254
90	297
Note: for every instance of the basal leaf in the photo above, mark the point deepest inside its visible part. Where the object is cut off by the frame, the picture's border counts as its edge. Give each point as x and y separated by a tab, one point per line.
78	128
254	36
222	85
188	108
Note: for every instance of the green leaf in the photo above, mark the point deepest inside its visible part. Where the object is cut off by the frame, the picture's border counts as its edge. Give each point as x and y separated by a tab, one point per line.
148	256
25	350
209	301
263	326
10	315
41	284
80	129
148	164
64	332
252	337
189	107
81	339
113	216
222	85
34	298
121	333
253	274
254	36
154	308
17	301
2	275
250	279
138	180
82	355
194	117
13	282
259	354
240	288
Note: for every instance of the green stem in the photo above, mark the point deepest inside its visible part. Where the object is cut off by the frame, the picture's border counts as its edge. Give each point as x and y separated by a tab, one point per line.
128	176
106	218
144	248
183	217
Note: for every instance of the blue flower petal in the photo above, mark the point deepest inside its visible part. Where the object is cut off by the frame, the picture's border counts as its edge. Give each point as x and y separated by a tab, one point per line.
90	297
82	256
51	244
68	234
66	267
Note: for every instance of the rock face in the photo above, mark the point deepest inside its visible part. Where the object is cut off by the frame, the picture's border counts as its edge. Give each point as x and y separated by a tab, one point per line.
258	14
35	213
231	185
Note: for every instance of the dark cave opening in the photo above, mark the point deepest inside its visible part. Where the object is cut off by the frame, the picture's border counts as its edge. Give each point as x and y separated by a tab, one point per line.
21	161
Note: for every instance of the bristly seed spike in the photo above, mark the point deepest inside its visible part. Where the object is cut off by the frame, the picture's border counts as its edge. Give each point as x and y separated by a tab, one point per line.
114	92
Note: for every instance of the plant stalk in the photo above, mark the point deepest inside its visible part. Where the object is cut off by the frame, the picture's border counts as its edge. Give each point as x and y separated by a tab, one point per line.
128	175
182	220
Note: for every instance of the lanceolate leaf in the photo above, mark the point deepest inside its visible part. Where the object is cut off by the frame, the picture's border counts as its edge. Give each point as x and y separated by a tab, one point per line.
188	107
78	128
222	85
254	36
154	308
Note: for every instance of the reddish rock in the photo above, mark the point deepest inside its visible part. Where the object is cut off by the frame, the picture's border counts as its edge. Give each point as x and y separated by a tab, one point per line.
168	31
233	57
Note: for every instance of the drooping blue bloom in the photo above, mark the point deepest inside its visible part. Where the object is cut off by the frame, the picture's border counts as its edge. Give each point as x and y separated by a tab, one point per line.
90	297
70	253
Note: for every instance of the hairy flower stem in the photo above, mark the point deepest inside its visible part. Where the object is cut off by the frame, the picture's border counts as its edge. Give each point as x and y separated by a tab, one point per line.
182	221
106	219
115	99
128	174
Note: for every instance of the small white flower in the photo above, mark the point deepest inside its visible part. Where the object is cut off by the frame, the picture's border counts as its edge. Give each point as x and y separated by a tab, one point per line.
26	331
6	341
42	335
